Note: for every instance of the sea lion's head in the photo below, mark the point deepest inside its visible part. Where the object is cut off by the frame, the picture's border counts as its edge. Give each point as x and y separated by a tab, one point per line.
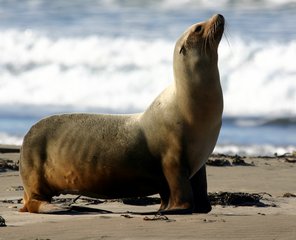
198	45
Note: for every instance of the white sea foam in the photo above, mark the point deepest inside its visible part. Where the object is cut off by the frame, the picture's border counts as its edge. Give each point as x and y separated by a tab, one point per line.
10	139
123	74
253	150
259	78
84	72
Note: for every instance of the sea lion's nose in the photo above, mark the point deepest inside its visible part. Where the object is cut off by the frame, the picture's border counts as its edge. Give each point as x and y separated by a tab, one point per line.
220	18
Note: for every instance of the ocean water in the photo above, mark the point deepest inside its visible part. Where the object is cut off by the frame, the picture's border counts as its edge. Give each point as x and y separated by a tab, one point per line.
112	56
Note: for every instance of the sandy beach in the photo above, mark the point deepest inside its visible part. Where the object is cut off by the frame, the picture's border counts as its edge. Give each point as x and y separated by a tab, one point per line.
269	214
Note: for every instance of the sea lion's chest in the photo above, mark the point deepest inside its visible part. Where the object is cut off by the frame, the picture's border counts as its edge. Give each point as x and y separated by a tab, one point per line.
199	144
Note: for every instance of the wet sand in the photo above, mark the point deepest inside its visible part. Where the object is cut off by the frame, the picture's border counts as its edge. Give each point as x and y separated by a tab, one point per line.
271	179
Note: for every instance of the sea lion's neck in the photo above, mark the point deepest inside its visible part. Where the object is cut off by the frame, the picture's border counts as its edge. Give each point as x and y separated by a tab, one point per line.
198	83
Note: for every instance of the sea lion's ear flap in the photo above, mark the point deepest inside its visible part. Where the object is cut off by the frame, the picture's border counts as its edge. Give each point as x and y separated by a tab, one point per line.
182	50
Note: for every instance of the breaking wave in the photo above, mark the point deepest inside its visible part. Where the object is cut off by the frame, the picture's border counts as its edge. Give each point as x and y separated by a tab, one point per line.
125	75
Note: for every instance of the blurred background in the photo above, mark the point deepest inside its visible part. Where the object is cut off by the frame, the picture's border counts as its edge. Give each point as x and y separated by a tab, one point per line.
113	56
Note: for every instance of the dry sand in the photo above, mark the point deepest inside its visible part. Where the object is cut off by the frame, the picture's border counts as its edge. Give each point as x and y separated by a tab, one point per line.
277	220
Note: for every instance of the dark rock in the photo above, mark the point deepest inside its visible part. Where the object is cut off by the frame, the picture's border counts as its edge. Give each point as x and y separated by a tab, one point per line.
2	222
238	161
218	163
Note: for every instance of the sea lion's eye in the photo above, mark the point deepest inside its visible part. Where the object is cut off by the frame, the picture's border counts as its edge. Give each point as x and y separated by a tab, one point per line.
182	50
198	29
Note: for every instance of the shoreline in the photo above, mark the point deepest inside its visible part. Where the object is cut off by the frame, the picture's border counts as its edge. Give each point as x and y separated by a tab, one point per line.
270	179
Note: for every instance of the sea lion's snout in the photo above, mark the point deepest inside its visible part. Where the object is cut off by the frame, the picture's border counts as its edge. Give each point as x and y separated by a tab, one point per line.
216	27
217	21
220	19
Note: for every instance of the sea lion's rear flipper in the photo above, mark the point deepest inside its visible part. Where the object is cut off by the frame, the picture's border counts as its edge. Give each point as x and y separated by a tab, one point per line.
49	208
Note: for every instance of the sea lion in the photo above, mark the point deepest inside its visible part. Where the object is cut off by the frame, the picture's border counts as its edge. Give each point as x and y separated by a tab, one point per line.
162	150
